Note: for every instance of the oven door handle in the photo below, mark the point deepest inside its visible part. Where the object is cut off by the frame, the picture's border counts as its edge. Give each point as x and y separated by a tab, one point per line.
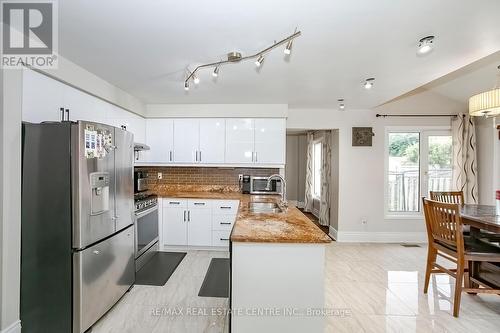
146	212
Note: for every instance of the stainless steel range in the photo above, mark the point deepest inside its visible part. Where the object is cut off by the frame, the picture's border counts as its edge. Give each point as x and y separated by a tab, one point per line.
146	226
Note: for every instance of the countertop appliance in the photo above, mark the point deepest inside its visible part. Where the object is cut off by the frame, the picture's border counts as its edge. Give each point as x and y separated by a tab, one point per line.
146	226
140	181
77	230
245	184
258	185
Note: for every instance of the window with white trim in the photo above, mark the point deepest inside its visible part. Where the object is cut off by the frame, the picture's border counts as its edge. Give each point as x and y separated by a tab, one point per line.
417	161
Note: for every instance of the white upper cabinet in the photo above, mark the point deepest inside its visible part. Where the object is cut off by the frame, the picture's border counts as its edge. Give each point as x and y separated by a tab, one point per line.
212	140
186	140
83	106
239	141
160	138
270	141
42	97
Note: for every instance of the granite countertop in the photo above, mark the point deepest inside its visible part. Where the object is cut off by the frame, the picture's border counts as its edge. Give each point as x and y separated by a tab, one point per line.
290	226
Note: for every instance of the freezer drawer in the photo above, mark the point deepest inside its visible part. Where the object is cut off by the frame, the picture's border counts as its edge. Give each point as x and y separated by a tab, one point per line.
102	274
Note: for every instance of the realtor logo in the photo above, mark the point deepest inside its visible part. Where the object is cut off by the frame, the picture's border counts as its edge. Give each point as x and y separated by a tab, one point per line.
29	34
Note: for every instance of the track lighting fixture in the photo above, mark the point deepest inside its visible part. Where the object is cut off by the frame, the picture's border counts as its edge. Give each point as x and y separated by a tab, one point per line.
215	73
425	45
234	57
369	83
259	61
288	48
341	104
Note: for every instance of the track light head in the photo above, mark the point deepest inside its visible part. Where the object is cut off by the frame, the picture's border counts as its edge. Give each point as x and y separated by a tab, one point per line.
186	85
196	79
368	83
425	45
288	48
259	61
215	73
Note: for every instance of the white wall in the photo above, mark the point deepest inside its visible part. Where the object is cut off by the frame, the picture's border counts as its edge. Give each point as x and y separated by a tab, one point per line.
74	75
217	110
486	136
295	169
10	220
361	173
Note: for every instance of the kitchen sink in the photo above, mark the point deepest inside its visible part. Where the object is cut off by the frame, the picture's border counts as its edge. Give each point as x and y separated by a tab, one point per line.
264	207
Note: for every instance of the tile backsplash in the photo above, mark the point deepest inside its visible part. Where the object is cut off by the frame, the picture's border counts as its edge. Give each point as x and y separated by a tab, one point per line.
199	178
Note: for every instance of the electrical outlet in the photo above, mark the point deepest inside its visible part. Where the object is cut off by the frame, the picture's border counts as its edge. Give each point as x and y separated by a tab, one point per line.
240	177
364	221
160	175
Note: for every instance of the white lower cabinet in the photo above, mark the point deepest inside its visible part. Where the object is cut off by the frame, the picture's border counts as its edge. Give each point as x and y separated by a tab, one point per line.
198	222
174	221
199	227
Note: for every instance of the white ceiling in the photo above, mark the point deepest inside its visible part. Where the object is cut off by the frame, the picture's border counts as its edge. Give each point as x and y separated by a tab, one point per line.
144	46
472	79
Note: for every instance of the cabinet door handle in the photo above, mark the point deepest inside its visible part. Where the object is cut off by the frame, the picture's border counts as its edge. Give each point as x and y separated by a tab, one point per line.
227	223
199	203
256	157
184	216
224	239
189	216
200	155
252	156
170	153
225	207
174	202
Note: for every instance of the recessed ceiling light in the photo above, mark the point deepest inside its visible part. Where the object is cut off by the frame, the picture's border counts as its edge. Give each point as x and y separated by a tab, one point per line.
369	83
425	45
215	73
341	104
196	79
259	61
288	48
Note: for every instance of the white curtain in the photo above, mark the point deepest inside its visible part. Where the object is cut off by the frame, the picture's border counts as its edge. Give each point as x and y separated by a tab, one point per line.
326	157
464	157
308	206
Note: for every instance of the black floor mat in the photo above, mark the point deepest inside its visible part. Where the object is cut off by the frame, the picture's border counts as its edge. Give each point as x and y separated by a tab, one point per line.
216	282
159	268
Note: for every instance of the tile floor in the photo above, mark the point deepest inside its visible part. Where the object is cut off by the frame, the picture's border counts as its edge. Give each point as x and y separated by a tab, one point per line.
379	285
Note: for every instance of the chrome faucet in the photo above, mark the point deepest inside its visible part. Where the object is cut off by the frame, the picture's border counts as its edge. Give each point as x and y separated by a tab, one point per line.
283	187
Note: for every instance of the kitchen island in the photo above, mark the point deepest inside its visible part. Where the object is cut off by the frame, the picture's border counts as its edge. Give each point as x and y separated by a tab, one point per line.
277	271
277	266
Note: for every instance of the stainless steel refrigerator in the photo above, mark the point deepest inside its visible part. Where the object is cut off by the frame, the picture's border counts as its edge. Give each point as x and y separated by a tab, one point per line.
77	230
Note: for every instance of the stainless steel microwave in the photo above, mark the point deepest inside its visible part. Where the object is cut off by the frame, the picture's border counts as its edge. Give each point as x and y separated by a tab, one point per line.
258	186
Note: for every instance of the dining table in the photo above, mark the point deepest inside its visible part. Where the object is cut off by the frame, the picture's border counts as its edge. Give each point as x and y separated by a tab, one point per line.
482	218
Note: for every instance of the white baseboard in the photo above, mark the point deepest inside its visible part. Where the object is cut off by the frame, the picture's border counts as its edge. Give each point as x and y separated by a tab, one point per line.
15	327
298	204
380	237
332	232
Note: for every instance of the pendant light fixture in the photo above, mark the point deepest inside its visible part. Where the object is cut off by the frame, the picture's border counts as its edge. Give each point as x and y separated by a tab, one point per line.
486	103
233	57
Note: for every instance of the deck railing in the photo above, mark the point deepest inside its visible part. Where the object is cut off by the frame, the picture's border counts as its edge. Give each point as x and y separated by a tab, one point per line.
404	188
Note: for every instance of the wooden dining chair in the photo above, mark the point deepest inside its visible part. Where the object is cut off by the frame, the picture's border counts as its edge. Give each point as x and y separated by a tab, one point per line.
456	197
446	239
